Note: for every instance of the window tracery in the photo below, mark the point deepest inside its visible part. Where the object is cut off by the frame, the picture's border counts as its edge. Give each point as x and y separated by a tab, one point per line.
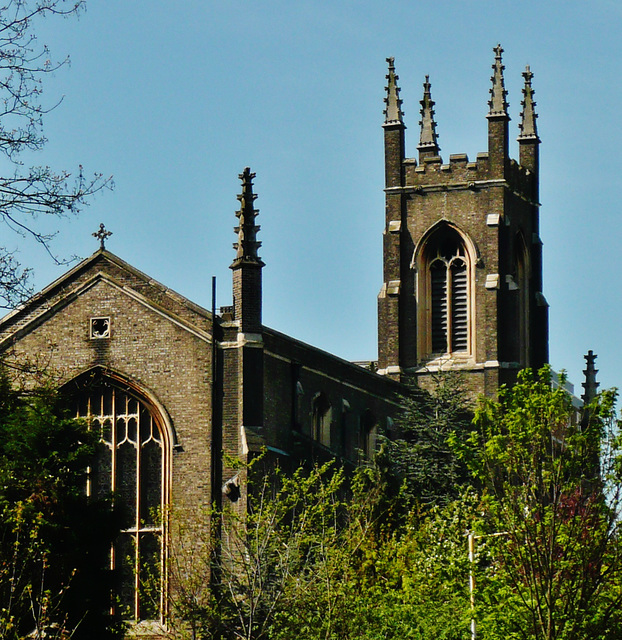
130	465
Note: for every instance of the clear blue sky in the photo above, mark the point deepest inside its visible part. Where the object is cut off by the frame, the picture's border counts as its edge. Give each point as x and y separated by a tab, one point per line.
174	99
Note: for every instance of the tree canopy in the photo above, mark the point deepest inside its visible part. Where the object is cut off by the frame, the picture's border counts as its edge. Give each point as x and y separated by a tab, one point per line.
385	554
550	508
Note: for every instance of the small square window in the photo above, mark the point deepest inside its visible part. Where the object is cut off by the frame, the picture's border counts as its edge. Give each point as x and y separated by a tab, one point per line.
99	328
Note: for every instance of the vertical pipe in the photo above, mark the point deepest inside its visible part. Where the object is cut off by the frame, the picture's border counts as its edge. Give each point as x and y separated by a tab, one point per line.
216	444
216	463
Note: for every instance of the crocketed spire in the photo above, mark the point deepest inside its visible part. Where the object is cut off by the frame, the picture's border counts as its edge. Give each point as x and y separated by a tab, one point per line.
498	103
247	243
428	140
590	385
527	126
393	112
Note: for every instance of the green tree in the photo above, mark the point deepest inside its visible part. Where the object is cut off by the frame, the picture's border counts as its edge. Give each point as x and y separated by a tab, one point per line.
373	582
239	585
422	457
554	512
54	542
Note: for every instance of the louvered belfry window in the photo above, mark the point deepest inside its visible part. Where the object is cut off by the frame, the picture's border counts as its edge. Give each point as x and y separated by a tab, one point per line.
130	467
449	298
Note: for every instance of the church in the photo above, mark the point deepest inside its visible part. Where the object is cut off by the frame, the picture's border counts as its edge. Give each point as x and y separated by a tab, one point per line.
171	386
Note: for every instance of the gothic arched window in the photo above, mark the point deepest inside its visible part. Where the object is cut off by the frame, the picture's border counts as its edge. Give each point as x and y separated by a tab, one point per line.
521	267
130	466
367	434
322	417
444	294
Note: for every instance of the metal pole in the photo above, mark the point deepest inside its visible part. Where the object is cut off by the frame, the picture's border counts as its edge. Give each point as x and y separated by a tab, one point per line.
216	462
471	539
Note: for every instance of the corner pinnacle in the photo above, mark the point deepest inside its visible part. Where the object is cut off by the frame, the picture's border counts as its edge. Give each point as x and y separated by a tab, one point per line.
428	139
527	126
247	243
498	103
393	112
590	385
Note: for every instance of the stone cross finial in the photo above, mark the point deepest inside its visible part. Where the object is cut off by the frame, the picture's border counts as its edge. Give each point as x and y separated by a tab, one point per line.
102	235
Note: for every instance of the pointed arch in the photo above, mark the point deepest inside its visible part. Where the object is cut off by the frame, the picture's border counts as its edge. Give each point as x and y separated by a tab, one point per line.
93	376
321	411
444	260
133	465
367	434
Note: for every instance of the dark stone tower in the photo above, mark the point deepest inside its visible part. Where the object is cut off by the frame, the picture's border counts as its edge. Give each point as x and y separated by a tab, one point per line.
462	252
247	301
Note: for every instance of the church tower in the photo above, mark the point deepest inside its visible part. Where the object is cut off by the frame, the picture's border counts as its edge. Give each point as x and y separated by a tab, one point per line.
462	285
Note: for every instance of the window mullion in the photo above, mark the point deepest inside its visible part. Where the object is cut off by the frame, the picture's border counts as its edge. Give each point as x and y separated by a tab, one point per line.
137	521
114	438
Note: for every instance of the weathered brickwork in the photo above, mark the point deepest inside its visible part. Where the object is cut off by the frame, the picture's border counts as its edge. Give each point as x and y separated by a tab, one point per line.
151	351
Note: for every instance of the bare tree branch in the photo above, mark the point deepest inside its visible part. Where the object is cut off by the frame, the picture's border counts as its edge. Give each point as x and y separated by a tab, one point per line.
36	191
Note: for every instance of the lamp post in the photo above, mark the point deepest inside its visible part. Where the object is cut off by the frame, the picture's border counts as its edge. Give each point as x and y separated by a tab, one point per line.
471	537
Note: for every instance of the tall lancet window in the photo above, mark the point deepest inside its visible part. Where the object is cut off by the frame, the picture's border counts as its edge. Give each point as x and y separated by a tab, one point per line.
522	282
130	466
444	297
321	417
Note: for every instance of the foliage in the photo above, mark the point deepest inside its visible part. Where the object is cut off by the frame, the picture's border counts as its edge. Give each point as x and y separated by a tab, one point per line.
28	193
422	456
313	561
53	541
551	513
236	586
321	558
375	584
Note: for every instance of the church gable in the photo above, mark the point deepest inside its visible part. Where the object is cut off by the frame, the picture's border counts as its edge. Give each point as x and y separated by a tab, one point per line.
91	273
134	359
106	316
